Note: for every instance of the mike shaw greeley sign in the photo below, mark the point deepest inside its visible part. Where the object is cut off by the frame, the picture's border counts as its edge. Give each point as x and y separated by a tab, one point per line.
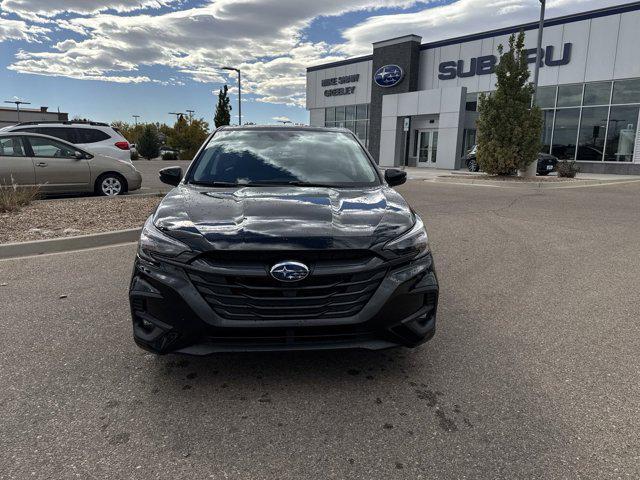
328	82
486	64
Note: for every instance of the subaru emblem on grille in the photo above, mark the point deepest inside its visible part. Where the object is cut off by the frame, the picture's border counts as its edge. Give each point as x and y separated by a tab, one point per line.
289	271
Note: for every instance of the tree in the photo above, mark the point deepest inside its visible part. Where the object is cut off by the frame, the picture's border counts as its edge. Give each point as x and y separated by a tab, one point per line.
130	132
509	128
223	108
188	137
148	145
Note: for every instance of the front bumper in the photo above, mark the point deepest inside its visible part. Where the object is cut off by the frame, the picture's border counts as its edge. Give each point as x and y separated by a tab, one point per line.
170	315
134	181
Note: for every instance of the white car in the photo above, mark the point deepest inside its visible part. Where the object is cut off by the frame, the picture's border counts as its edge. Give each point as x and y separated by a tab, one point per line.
99	138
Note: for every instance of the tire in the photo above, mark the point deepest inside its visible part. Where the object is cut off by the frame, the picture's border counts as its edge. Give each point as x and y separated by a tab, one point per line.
543	174
472	165
110	185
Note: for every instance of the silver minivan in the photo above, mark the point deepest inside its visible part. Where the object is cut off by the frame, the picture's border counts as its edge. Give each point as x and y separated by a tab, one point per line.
59	167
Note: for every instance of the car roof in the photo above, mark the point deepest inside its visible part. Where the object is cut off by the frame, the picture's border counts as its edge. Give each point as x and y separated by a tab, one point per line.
68	123
301	128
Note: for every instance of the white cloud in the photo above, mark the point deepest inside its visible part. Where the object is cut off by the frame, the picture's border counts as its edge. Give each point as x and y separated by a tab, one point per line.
282	119
19	30
460	18
40	10
265	38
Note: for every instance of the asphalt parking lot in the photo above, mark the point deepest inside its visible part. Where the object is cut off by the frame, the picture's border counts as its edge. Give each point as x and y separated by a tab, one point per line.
533	373
149	170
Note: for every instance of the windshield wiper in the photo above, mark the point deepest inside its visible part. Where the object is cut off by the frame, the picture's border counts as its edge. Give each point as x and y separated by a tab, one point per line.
295	183
216	184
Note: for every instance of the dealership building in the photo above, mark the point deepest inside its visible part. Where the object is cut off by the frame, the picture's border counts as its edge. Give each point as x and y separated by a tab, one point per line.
415	103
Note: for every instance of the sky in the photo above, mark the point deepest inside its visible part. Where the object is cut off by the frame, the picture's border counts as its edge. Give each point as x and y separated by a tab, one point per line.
108	60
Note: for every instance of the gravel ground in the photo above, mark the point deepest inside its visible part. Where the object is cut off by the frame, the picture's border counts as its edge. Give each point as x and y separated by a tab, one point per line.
69	217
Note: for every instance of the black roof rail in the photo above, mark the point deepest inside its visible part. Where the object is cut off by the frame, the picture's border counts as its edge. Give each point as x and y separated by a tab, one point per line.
65	122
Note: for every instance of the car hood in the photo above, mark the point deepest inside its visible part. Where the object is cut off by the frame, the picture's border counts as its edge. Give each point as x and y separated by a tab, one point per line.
283	217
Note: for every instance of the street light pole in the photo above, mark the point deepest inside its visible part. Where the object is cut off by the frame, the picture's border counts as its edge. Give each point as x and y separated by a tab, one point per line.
17	103
177	114
237	70
536	70
532	168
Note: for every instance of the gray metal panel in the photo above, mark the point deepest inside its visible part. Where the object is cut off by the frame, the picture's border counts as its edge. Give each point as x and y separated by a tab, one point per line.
551	36
469	50
628	53
316	117
603	39
576	33
312	88
448	53
485	82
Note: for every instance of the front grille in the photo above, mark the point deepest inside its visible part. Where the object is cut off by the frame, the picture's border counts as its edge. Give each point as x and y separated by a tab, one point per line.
245	290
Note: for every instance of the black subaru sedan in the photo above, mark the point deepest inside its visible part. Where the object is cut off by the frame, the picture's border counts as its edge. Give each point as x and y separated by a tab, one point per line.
282	238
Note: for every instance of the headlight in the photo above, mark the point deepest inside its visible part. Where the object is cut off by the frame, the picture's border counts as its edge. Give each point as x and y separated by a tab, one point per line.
153	240
413	241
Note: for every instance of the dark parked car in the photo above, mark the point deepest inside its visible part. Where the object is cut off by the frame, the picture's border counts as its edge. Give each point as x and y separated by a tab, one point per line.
546	163
282	238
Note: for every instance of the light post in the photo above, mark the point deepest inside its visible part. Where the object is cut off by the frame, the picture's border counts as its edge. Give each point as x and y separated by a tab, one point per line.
237	70
532	168
135	119
177	114
190	112
17	104
536	70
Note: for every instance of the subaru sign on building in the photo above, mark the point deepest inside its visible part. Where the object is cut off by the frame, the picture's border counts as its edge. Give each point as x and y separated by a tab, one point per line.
427	94
388	76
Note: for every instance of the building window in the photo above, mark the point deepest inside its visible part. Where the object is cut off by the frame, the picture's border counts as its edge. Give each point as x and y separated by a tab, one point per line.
329	114
593	127
471	102
547	129
591	122
350	112
352	117
598	93
569	95
546	97
362	112
469	139
626	91
621	133
565	133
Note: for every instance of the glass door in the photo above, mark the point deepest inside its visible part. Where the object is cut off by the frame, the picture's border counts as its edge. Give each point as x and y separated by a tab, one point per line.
427	148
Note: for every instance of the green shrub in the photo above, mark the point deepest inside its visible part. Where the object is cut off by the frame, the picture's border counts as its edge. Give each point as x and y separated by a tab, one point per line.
169	155
567	168
14	196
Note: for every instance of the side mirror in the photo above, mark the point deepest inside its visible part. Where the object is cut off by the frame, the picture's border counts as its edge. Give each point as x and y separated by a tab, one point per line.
171	175
395	177
79	155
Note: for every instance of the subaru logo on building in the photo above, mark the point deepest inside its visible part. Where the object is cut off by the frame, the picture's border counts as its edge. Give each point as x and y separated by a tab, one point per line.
289	271
388	76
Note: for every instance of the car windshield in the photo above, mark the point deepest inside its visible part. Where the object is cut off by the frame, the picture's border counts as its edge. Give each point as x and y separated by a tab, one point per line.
281	157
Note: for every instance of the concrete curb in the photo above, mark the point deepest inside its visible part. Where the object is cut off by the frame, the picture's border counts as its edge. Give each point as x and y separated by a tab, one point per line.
66	244
101	198
578	183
